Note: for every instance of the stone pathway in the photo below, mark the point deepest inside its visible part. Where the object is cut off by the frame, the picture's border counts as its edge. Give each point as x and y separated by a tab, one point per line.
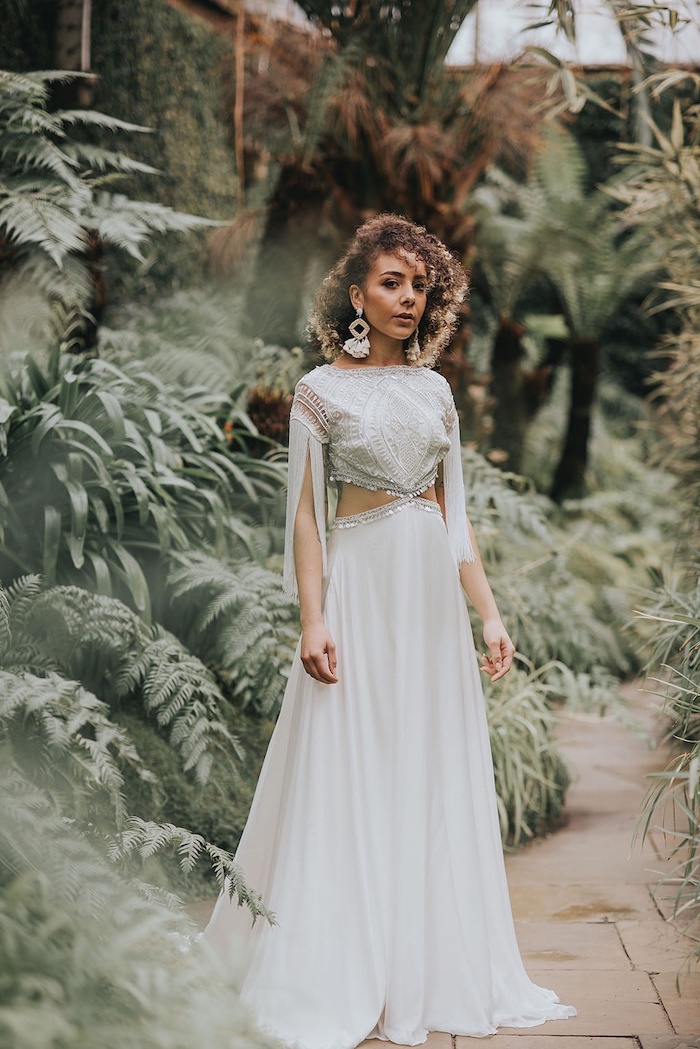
588	922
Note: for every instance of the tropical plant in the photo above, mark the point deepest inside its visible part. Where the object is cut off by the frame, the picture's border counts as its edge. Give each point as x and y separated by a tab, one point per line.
67	741
85	957
106	470
660	190
236	618
673	797
592	282
541	574
531	777
93	644
380	124
57	208
521	228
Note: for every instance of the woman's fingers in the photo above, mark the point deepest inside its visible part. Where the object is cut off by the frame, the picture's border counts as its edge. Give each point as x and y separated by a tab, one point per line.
500	658
320	667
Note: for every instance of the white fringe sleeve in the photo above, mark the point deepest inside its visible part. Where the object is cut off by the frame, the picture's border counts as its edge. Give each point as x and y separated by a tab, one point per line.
455	508
308	432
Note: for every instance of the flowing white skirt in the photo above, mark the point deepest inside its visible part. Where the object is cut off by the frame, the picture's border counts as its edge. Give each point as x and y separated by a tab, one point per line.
373	834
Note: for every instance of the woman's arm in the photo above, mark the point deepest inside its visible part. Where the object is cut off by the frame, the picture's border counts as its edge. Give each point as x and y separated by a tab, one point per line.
317	648
472	576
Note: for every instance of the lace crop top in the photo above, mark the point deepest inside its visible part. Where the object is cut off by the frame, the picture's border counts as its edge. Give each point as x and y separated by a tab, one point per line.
382	428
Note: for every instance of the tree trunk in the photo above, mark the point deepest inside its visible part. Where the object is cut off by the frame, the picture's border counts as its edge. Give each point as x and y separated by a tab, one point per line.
276	293
510	413
569	476
72	37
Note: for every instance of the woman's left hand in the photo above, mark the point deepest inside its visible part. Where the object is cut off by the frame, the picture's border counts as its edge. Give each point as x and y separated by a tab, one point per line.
501	650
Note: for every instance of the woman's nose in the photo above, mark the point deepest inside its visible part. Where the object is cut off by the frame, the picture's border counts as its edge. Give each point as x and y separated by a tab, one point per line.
409	294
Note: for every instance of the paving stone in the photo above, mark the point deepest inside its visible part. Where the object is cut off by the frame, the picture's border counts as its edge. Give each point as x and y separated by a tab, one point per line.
528	1040
654	946
575	902
668	1041
684	1008
574	984
435	1040
570	945
603	1018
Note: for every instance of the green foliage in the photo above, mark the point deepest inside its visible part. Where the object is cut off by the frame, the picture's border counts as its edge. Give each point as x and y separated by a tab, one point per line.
192	338
100	643
71	744
55	200
546	597
237	619
674	795
121	469
166	69
531	778
84	957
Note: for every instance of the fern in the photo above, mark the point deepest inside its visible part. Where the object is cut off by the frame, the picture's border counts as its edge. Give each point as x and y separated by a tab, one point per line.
236	618
52	193
102	644
89	954
147	838
63	737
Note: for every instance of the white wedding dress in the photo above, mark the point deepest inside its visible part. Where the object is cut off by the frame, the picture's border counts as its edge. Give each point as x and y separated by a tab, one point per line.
373	835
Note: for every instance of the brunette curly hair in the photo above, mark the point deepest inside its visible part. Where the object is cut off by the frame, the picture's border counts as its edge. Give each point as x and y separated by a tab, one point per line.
392	235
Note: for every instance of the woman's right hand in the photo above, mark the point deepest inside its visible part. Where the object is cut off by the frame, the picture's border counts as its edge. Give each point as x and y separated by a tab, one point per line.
318	653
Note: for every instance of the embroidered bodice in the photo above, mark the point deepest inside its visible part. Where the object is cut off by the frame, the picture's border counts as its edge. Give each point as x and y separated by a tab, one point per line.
383	428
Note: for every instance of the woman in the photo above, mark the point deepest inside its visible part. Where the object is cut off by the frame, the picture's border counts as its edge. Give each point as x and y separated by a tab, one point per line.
373	834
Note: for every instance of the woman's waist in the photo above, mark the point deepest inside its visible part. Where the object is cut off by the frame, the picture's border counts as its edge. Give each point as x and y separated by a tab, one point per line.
355	500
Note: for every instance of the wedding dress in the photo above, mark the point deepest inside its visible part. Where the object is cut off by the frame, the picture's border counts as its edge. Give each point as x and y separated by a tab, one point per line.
373	835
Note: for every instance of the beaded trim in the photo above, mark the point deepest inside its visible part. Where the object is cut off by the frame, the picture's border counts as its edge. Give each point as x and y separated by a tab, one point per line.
379	512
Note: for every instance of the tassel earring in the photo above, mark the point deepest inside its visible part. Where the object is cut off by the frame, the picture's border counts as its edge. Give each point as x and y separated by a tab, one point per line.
358	345
413	349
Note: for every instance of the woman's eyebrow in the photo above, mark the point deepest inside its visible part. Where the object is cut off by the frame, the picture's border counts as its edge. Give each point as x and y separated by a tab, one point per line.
399	273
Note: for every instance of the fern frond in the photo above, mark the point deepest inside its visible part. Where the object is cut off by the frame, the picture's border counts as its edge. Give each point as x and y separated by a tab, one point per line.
148	838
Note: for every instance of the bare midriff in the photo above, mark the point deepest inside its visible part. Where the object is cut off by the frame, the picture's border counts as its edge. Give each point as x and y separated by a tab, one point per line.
355	500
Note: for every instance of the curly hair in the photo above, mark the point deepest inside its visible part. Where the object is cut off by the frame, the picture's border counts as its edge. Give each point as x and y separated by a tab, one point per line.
391	235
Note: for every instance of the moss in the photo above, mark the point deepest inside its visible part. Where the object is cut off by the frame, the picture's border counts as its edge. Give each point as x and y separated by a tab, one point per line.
26	40
163	69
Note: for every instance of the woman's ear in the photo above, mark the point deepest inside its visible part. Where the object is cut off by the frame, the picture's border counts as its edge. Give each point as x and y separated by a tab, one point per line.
356	296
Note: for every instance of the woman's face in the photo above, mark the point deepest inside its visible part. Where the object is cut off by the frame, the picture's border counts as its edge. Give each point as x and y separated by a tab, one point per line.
394	295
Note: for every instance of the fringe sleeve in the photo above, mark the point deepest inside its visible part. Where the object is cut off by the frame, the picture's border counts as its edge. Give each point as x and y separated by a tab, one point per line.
308	432
453	480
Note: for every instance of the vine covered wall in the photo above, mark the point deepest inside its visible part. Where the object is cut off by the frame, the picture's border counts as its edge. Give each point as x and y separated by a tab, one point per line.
164	69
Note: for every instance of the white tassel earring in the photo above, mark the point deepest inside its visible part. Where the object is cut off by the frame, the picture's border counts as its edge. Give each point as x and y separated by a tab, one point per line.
413	348
358	345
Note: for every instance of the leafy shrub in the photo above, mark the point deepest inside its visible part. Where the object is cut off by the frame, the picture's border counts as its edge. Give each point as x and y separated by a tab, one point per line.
67	740
674	796
531	777
55	199
236	618
547	606
121	470
84	957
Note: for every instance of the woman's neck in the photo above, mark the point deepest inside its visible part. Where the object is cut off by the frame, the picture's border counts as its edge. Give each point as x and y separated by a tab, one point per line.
384	351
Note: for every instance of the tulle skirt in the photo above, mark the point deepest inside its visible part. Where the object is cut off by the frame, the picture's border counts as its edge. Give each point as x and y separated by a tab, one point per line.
373	834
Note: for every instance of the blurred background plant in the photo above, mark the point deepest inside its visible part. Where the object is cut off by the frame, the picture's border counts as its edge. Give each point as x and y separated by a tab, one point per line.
145	385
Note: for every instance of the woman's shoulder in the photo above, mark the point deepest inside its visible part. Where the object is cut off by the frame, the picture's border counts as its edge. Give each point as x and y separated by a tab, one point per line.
313	380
